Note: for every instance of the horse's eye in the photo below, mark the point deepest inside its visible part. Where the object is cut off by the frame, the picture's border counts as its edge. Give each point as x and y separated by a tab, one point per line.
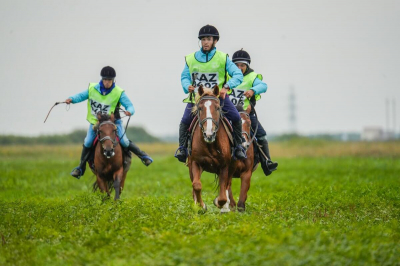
199	108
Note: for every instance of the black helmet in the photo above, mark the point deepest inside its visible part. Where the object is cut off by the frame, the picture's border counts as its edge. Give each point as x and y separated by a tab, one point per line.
209	30
108	72
242	56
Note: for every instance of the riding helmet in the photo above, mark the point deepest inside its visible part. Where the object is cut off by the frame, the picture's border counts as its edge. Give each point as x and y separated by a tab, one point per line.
208	30
108	72
241	56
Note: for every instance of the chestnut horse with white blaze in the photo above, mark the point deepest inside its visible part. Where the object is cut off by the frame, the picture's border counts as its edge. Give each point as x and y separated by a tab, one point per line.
109	158
211	150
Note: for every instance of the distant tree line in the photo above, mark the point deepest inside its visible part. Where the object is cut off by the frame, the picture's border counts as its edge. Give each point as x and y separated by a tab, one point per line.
136	134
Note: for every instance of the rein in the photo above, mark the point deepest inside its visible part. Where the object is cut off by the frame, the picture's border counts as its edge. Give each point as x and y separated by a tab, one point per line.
254	131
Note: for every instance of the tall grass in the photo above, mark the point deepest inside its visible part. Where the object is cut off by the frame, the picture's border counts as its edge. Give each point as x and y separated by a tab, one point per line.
338	205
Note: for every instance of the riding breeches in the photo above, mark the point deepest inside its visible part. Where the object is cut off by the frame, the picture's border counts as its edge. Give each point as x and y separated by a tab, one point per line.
228	109
91	135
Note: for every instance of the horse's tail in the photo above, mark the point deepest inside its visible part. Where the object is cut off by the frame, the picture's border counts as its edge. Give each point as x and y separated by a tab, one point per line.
110	185
95	186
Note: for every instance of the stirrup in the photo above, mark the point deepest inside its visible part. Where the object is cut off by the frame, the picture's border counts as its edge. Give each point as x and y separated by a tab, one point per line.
144	158
266	169
239	147
184	149
81	172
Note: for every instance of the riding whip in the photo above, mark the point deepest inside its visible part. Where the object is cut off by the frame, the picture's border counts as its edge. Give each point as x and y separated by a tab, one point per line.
57	103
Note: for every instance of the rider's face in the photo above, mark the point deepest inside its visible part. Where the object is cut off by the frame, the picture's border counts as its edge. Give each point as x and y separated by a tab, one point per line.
108	83
242	66
207	43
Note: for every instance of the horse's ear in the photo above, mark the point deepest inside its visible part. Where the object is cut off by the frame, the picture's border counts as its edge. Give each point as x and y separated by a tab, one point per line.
216	90
248	110
112	117
98	115
201	90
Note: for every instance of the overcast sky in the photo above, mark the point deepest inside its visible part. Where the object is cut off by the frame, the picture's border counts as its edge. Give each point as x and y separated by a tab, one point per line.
341	57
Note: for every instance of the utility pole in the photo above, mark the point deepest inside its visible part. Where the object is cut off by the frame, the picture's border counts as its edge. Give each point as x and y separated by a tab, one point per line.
292	111
394	117
387	134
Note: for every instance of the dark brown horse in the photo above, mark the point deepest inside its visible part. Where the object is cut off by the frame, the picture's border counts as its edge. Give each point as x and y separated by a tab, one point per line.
109	158
210	147
244	168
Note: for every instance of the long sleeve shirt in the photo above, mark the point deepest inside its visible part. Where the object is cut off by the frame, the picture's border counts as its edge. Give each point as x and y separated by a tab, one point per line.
231	68
84	95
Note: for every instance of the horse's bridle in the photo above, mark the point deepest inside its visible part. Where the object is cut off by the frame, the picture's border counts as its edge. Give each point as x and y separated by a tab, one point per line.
247	134
114	141
213	98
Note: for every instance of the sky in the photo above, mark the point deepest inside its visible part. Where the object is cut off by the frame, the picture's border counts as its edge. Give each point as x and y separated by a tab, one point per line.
341	58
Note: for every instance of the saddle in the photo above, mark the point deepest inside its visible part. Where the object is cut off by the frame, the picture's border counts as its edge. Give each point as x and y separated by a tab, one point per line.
125	153
195	122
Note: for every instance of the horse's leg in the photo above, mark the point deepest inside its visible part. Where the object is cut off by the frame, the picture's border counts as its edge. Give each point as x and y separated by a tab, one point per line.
244	188
232	203
195	175
191	179
102	185
117	183
223	190
123	182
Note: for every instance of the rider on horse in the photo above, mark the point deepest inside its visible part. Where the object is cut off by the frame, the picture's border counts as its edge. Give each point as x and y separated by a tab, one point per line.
251	88
209	67
105	97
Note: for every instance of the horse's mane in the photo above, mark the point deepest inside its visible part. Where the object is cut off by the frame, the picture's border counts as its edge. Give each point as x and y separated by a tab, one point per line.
240	108
102	117
197	98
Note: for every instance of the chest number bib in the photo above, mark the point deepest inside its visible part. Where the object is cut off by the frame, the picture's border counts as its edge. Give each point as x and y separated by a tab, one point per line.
208	80
237	97
99	107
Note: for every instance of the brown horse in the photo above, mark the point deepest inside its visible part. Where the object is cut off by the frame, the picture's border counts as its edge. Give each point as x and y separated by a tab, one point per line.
244	168
210	147
109	158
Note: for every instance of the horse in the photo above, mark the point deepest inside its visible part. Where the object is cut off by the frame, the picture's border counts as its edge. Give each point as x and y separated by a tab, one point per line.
109	157
210	150
244	168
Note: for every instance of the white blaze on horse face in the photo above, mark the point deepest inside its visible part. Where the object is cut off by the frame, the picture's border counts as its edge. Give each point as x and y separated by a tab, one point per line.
207	104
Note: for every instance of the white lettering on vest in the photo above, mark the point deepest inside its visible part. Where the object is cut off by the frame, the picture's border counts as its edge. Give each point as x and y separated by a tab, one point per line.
99	107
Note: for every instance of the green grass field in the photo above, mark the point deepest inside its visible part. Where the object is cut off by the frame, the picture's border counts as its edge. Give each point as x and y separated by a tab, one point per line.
328	204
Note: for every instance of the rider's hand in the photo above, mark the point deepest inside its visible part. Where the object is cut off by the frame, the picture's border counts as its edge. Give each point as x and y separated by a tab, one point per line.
222	93
68	101
249	93
127	113
191	88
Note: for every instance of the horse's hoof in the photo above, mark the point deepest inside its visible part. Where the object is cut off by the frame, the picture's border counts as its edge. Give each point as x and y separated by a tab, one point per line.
216	202
241	207
203	209
225	210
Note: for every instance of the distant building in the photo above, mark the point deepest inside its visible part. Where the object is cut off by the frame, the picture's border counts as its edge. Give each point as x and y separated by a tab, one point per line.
372	134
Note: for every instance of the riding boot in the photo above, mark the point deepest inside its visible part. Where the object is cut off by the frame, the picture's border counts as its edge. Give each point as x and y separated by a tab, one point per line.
146	159
182	153
266	163
79	171
239	151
